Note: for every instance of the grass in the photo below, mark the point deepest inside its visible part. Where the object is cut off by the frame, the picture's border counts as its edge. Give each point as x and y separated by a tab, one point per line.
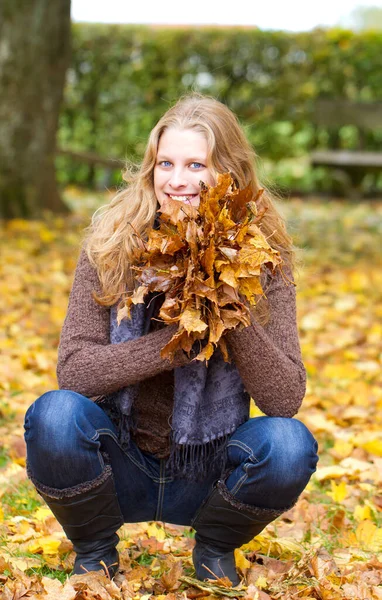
4	457
145	559
45	571
6	413
22	501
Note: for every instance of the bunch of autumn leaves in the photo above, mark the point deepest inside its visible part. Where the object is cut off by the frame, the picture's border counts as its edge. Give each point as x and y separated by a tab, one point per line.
207	262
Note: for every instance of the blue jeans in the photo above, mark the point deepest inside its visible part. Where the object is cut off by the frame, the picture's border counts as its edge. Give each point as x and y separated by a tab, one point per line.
270	460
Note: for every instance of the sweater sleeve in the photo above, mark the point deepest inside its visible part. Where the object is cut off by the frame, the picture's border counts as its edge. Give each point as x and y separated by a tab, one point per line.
269	358
87	362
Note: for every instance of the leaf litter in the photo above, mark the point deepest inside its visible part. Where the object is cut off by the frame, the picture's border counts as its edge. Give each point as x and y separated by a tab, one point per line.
329	545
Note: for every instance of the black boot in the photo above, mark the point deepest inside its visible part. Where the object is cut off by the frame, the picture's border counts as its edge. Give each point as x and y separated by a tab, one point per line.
90	516
222	524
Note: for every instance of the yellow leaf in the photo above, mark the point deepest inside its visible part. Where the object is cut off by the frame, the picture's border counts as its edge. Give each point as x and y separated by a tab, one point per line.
242	562
341	371
369	536
373	446
46	235
250	288
366	487
42	513
255	411
228	275
342	449
261	582
286	546
331	472
278	546
47	545
1	515
20	563
206	353
319	422
23	563
362	513
256	544
339	492
353	466
191	320
154	530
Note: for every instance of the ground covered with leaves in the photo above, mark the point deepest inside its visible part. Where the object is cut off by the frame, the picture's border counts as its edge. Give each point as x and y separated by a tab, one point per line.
330	545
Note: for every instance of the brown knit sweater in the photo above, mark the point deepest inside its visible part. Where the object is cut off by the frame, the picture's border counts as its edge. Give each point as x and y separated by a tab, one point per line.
268	359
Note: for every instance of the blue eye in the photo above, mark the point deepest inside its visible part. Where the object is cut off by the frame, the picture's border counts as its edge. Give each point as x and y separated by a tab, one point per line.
165	163
197	165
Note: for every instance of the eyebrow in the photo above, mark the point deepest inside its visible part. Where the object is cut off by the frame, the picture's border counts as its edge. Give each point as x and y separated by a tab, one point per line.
191	159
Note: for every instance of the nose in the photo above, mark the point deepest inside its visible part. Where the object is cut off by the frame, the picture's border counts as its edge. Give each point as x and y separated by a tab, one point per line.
178	179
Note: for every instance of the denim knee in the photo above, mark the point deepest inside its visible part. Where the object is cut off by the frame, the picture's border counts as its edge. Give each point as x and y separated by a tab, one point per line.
275	454
52	421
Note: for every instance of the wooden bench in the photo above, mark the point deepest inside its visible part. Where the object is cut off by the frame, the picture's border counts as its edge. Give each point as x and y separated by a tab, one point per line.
349	166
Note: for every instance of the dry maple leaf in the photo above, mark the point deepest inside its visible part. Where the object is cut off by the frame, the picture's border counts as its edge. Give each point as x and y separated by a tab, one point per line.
207	263
170	580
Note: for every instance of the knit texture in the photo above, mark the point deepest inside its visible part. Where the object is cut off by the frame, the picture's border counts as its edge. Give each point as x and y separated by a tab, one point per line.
210	401
268	358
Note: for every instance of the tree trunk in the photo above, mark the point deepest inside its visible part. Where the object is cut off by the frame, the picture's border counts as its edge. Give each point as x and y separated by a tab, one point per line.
34	55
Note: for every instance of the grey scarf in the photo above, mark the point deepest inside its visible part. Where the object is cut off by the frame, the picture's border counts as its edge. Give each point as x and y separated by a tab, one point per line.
210	402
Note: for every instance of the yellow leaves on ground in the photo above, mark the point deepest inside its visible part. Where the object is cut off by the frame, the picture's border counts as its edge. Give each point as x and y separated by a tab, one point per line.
42	513
373	447
241	561
284	547
47	545
369	536
338	492
329	546
157	532
363	513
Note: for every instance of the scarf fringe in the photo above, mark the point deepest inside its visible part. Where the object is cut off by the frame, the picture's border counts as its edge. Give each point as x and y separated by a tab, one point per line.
124	427
195	462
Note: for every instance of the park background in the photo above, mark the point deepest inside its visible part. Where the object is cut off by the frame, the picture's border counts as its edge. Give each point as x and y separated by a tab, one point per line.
77	100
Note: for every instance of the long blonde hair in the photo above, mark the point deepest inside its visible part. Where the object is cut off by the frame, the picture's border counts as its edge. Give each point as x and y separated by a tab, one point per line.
115	229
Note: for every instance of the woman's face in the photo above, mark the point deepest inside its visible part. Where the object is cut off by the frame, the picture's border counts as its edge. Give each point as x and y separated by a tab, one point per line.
181	164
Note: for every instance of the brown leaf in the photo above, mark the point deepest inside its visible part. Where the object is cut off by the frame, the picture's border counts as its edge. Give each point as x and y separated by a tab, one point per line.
170	580
323	564
57	591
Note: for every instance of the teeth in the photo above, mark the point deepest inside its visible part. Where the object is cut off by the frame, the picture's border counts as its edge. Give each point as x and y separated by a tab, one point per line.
181	198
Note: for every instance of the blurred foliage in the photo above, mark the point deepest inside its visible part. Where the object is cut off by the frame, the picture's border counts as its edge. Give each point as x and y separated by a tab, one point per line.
122	78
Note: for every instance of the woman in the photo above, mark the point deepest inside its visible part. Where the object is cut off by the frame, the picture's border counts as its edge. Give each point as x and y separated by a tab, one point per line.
133	437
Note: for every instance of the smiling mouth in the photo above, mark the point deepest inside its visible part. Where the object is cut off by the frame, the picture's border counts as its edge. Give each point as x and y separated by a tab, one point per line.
185	198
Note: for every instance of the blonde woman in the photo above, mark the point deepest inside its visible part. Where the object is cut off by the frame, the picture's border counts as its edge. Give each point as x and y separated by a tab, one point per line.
130	436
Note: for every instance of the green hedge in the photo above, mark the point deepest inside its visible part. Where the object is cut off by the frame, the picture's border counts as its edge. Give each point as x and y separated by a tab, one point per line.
123	77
